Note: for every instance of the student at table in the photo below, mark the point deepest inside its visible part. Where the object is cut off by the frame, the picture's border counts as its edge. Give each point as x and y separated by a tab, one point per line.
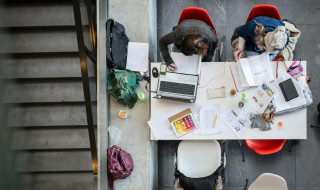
261	34
189	37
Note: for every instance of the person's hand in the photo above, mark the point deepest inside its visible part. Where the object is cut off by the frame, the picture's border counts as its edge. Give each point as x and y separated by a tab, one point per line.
237	54
172	67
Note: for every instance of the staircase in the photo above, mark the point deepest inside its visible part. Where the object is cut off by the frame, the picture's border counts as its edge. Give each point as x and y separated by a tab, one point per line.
46	110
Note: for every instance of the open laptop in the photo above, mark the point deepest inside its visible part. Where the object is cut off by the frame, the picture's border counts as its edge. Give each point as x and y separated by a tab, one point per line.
178	86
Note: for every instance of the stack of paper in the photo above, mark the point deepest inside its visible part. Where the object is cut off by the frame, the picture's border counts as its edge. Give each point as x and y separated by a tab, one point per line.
187	64
280	102
210	121
254	69
160	125
137	59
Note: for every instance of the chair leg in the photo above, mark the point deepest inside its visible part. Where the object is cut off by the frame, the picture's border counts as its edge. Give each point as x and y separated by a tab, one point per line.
245	187
315	126
242	152
293	143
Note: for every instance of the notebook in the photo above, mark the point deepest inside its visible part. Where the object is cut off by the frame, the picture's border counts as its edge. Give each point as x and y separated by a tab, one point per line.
288	90
254	70
183	123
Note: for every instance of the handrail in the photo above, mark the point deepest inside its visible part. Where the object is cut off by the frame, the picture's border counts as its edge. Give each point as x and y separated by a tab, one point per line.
85	83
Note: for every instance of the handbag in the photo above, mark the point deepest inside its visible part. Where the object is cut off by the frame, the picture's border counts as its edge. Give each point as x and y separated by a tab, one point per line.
121	84
303	81
120	164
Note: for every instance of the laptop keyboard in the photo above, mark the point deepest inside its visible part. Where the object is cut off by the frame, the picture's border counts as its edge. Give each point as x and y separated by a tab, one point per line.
178	88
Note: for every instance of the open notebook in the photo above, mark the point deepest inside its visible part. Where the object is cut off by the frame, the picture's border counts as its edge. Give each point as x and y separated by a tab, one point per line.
254	70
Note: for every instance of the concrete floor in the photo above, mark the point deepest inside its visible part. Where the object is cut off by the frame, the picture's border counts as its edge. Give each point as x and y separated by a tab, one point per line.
300	167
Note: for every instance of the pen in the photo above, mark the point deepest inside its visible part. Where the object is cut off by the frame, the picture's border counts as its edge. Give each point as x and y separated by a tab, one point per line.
171	66
215	121
239	53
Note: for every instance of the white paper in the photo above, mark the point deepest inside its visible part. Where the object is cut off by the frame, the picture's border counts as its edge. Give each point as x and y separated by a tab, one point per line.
236	120
262	96
246	72
137	59
196	117
186	64
254	70
210	119
160	125
236	77
280	101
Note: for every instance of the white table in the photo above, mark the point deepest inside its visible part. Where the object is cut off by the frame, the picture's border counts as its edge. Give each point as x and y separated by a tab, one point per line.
294	124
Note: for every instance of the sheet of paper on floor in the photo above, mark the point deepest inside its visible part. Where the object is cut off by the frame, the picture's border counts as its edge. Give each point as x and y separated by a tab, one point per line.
279	100
137	59
210	124
186	64
160	125
237	120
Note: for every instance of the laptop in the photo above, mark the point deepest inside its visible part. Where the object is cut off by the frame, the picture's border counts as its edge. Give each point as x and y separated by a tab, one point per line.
178	87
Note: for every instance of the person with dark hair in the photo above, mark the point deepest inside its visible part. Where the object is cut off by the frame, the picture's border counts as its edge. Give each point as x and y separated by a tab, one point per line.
261	34
189	37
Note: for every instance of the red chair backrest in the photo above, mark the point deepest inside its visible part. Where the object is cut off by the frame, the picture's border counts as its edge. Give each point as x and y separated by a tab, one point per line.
197	14
265	146
264	10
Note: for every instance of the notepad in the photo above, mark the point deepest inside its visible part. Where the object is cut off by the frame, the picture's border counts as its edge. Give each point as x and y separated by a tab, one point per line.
137	59
288	90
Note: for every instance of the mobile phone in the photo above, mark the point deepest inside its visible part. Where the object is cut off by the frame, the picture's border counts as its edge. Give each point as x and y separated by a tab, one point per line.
163	69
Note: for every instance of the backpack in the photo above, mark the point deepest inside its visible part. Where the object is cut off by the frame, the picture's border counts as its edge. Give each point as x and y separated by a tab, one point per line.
117	43
121	84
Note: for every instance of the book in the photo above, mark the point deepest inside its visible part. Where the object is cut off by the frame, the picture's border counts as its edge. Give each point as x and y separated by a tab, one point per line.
254	70
183	123
288	90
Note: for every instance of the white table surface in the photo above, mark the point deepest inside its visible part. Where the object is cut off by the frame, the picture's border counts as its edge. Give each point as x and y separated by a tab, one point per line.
294	124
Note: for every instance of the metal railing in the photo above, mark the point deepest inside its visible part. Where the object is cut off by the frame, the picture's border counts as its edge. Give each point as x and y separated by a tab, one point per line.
85	52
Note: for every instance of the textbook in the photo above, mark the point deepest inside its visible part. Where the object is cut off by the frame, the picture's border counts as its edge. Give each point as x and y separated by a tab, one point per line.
254	70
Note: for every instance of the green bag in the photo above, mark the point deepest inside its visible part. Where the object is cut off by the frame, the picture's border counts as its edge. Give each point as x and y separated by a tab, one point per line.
121	84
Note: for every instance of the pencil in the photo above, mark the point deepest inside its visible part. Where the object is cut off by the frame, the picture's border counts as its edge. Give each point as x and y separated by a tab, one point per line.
215	121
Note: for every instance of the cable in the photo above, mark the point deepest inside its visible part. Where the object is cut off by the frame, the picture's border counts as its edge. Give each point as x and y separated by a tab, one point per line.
215	77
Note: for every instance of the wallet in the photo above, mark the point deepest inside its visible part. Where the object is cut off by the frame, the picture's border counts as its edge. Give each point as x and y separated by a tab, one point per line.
288	90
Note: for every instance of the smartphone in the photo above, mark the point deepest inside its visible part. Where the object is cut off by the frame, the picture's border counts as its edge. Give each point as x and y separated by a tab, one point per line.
163	69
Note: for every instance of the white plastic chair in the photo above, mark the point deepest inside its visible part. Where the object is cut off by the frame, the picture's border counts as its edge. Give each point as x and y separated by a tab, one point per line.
198	159
268	181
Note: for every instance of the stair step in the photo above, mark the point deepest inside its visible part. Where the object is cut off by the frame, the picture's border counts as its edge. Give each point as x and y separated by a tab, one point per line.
41	14
33	115
46	91
61	181
49	161
50	138
40	41
41	67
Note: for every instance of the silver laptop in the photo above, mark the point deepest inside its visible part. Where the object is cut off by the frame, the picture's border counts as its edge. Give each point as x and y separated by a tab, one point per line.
178	86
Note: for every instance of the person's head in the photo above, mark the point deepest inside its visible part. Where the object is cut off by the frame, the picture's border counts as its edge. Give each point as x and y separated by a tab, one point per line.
273	41
193	44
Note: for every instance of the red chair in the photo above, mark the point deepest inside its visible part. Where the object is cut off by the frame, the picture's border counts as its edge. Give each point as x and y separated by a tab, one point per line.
197	14
265	147
264	10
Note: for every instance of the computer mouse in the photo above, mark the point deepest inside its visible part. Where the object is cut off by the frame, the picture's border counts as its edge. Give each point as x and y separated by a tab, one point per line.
155	72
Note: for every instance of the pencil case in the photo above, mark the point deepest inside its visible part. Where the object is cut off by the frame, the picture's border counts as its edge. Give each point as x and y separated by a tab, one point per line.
296	70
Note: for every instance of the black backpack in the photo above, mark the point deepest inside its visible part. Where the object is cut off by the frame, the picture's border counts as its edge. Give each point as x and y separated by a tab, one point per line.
117	43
